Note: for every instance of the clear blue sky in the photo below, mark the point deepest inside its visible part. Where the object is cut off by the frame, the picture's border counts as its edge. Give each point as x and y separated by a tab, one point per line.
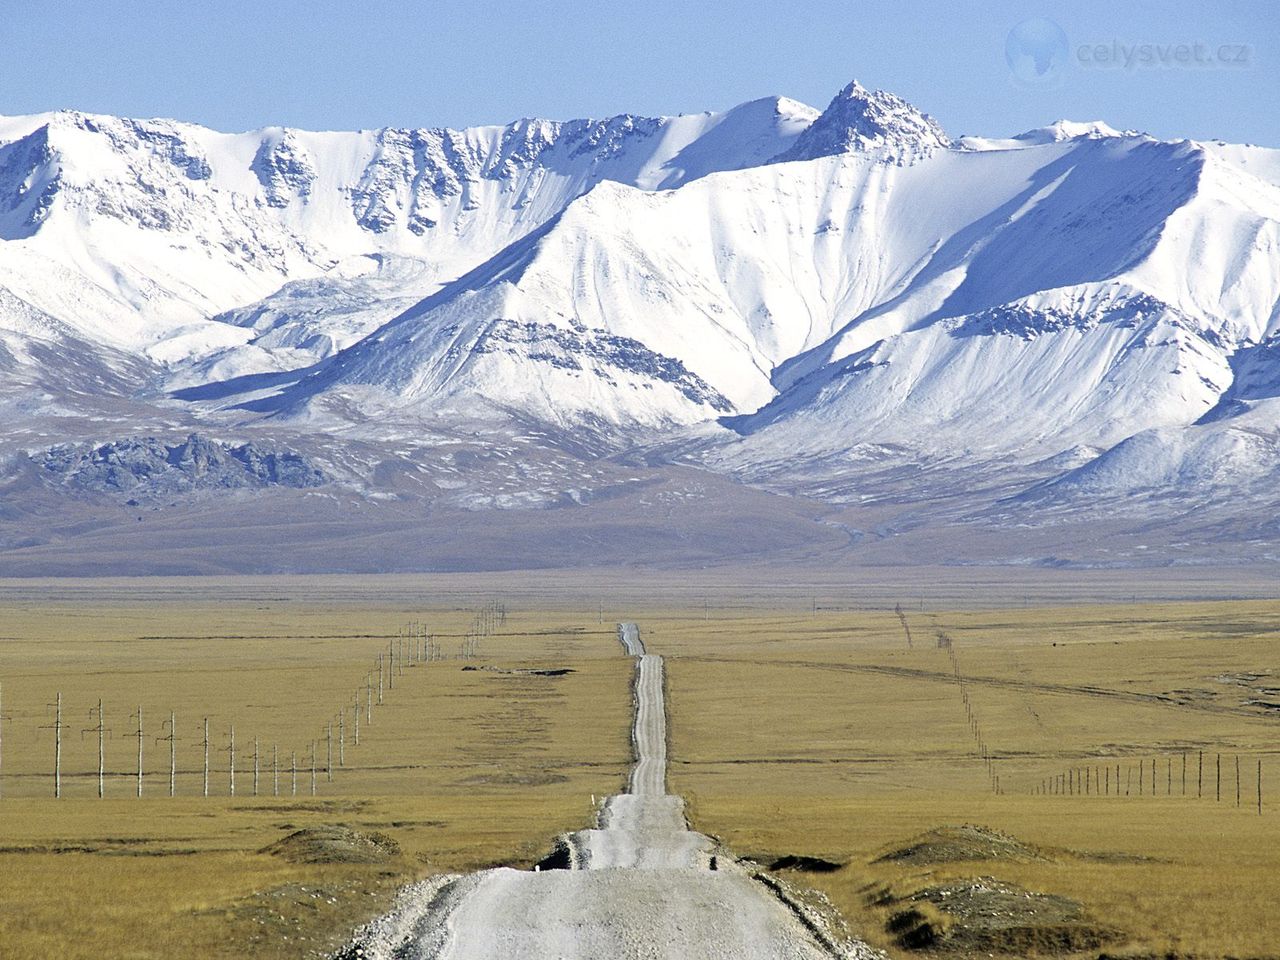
339	64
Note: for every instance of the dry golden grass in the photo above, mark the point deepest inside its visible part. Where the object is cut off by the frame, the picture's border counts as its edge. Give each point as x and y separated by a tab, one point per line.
827	736
791	733
464	768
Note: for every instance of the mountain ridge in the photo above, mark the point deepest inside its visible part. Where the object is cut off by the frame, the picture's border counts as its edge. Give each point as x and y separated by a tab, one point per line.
845	306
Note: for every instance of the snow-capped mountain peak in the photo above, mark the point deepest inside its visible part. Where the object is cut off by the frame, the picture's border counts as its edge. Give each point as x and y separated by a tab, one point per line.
1061	130
859	120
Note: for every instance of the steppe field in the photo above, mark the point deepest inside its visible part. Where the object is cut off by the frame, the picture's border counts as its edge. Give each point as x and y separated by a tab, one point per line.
949	763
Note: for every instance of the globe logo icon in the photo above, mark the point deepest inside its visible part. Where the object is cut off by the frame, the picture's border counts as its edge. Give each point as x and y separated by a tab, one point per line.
1036	51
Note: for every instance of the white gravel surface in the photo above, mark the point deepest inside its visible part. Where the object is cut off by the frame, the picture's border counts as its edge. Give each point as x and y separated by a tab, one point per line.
629	637
643	885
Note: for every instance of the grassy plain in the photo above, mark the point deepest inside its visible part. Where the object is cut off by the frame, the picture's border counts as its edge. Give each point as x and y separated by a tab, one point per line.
463	768
801	731
829	737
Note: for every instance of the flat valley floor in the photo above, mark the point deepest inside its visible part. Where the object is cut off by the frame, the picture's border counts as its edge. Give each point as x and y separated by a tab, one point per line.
888	751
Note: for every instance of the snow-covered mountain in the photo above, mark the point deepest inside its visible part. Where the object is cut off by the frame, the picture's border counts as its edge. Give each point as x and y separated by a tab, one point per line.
845	305
149	230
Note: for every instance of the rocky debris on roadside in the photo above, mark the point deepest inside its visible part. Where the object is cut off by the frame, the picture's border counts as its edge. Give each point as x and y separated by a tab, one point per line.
954	844
985	914
334	844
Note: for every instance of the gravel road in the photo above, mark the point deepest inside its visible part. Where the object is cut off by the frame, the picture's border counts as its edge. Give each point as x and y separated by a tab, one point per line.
642	885
629	637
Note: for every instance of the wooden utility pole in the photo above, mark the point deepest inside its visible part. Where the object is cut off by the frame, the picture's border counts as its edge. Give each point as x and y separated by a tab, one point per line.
255	766
328	752
380	672
100	730
342	737
138	734
2	720
275	769
57	746
313	768
172	739
231	766
293	773
205	744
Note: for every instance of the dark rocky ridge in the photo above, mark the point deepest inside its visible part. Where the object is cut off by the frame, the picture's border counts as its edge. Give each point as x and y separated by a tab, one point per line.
148	467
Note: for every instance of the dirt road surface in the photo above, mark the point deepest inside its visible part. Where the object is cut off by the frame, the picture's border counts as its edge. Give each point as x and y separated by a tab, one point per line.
641	886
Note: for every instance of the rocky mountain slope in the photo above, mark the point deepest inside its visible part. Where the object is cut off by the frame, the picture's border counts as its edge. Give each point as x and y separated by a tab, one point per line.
845	310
